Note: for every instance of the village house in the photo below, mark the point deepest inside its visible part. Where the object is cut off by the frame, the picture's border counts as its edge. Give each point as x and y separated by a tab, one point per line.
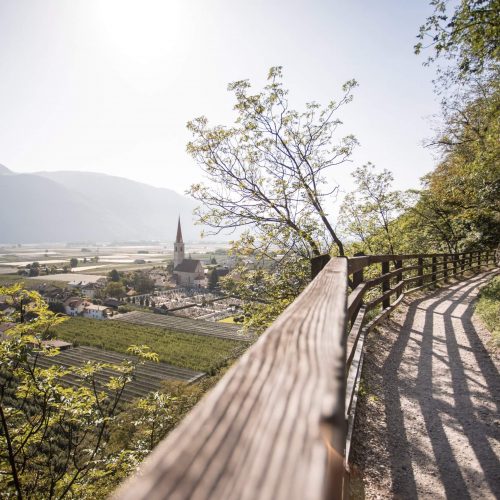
94	311
77	306
87	288
74	306
53	294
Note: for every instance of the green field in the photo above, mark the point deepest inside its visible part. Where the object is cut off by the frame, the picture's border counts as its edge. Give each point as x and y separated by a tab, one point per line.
180	349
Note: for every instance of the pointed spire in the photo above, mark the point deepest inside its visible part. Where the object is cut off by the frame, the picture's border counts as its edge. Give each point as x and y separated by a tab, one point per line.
178	239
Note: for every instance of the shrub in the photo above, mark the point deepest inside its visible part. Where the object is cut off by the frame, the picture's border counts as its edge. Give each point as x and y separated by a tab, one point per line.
488	308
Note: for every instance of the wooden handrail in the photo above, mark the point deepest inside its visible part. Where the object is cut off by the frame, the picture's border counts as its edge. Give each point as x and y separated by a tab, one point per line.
274	427
279	423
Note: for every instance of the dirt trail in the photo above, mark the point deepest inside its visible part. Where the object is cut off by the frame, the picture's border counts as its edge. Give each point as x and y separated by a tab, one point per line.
428	424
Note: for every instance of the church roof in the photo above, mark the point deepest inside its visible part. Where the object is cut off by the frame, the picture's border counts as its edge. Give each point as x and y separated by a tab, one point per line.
178	239
187	266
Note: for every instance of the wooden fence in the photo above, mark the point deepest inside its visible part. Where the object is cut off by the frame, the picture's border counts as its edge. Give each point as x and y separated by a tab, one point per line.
279	424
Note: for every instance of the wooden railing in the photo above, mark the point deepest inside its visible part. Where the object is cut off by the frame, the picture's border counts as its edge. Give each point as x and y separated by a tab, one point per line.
279	424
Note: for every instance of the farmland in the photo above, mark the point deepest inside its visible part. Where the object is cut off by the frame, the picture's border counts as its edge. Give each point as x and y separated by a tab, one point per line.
148	377
187	325
195	352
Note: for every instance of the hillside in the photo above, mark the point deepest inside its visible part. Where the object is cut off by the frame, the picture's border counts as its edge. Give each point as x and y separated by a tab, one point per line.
4	170
85	206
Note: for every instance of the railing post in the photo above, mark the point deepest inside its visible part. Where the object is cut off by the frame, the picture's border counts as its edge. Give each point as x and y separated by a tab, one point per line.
399	276
445	267
386	285
420	281
357	279
487	258
434	269
455	264
318	263
470	261
479	261
462	265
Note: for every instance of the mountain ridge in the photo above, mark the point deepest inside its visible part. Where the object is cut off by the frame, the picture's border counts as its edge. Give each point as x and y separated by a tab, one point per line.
66	206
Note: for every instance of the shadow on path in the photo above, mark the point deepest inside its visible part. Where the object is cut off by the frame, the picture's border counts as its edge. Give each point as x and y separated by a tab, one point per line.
441	392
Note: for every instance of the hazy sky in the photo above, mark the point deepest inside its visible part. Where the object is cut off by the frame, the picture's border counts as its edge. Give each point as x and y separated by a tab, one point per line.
108	86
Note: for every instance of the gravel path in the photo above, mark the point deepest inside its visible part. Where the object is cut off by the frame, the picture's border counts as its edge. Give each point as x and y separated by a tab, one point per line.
427	424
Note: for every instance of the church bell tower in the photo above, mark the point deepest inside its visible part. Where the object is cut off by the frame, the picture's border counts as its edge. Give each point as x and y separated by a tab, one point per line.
178	246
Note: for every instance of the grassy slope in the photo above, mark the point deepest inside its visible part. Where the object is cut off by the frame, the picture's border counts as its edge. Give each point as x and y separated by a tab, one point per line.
180	349
488	308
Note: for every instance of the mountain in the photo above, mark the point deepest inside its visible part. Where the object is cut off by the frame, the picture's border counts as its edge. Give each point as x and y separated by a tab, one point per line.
4	170
84	206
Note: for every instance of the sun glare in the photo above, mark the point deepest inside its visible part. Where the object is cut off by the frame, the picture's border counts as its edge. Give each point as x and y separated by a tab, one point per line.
142	30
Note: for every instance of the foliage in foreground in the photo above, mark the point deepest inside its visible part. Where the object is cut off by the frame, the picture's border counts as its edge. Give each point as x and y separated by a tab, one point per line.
73	441
181	349
52	436
488	308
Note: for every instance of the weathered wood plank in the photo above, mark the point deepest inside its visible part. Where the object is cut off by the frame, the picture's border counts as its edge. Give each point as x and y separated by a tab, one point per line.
383	277
357	263
354	373
318	263
274	427
353	337
354	300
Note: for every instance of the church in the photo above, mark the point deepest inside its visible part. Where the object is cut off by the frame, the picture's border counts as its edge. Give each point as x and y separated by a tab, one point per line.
188	272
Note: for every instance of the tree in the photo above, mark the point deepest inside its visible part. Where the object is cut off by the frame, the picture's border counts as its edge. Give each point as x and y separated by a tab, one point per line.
53	438
57	307
268	171
114	275
73	262
34	269
213	279
468	36
114	289
266	292
369	211
142	282
459	200
458	206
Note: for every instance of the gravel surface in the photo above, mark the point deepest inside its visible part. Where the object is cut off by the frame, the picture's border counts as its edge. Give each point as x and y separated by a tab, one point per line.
427	423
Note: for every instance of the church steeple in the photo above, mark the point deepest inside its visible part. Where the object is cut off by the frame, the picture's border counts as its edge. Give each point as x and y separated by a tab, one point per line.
178	239
178	246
